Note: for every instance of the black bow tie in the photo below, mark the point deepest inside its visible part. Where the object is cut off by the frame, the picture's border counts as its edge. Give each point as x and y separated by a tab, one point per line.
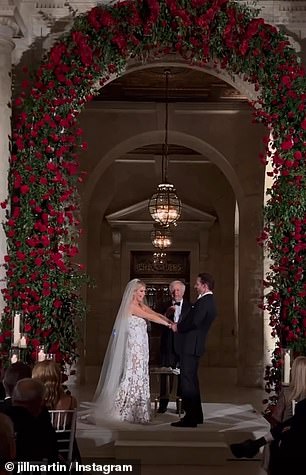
177	303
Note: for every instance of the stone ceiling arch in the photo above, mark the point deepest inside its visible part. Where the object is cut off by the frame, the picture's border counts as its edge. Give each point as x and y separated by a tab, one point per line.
156	137
245	88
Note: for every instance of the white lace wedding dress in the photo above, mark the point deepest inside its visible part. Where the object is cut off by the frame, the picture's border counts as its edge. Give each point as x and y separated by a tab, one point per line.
132	402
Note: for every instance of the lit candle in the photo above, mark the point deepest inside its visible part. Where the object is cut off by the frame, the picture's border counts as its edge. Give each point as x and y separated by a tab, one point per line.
293	402
286	367
14	359
41	355
23	342
16	333
155	405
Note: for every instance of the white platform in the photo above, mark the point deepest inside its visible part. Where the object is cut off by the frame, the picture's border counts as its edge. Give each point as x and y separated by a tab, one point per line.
161	444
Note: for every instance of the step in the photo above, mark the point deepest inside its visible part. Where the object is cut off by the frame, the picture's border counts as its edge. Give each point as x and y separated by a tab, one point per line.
88	448
172	453
173	434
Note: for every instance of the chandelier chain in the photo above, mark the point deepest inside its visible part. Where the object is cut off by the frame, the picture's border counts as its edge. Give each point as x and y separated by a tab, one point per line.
165	148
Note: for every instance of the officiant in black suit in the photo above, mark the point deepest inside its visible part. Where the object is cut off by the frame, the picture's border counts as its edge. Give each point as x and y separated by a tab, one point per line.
193	330
170	343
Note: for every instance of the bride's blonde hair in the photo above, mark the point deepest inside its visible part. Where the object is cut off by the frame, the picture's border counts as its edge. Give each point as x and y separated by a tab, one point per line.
139	283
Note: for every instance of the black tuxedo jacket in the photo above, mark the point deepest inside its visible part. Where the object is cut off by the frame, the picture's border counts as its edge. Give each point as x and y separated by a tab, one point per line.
194	326
170	343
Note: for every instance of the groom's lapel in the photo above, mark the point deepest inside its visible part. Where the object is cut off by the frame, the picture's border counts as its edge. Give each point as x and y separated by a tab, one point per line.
185	310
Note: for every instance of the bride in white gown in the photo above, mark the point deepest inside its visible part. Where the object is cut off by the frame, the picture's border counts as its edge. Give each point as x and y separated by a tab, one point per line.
123	391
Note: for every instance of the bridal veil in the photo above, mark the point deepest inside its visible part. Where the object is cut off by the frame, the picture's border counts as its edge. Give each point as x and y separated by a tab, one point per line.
113	364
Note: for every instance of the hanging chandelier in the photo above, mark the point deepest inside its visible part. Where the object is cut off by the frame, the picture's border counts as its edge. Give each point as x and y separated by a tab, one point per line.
161	237
159	258
164	205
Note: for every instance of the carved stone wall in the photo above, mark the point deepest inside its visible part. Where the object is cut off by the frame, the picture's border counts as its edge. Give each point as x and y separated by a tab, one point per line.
47	19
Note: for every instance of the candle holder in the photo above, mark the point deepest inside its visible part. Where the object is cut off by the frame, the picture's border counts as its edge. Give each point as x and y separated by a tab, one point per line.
41	355
14	355
23	341
17	326
287	357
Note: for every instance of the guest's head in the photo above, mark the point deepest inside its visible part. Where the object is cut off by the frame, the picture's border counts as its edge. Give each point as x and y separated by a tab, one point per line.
298	379
14	373
48	372
177	290
29	393
204	283
7	440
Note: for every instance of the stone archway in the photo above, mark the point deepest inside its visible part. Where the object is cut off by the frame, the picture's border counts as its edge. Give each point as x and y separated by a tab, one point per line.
250	372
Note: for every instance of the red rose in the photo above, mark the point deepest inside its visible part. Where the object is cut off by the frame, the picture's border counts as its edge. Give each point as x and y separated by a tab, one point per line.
86	55
120	41
244	47
56	54
38	261
287	144
20	256
57	303
298	155
24	189
35	342
286	80
54	348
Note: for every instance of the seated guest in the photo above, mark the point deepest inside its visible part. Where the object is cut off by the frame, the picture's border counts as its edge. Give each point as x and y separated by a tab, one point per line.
35	435
287	450
13	373
7	442
288	430
48	372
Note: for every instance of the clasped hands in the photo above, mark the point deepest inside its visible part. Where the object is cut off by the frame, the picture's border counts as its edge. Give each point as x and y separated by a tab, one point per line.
173	326
170	323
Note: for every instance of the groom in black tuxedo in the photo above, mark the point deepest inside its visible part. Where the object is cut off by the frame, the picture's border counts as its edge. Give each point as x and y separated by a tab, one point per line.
170	342
193	329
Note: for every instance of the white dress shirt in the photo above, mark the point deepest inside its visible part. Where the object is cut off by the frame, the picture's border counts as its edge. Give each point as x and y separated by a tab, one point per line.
177	311
205	293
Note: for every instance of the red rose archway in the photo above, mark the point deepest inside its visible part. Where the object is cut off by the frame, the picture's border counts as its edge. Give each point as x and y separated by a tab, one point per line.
42	227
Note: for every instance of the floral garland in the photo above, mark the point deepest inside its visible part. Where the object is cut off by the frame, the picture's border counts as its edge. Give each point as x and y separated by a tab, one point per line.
42	224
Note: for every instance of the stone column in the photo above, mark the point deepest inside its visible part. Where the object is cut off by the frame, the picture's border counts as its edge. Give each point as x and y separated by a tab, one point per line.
6	48
250	317
269	342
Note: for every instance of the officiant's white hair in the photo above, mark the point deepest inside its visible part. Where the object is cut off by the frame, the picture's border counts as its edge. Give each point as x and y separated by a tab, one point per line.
177	282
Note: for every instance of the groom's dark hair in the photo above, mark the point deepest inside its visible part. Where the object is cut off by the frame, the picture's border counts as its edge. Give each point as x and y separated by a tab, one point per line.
207	279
